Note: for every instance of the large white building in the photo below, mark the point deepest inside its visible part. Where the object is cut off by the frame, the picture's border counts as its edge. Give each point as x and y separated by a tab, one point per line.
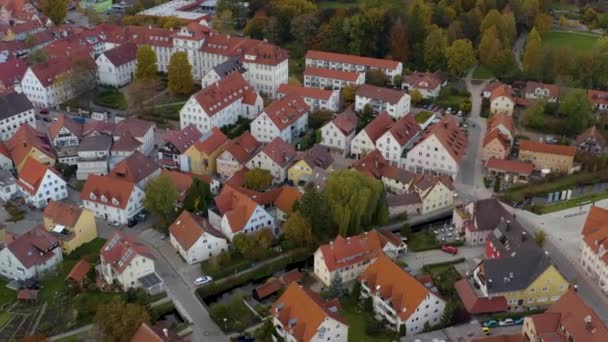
338	133
40	183
315	98
286	118
15	110
332	79
365	141
111	198
342	62
221	104
195	239
395	102
116	67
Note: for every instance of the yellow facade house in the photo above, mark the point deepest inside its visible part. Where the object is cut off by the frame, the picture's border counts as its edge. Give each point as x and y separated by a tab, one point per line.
557	158
301	171
28	142
73	226
202	155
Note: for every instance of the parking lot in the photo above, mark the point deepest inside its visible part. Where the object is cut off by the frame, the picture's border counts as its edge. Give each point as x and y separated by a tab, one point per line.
464	332
445	233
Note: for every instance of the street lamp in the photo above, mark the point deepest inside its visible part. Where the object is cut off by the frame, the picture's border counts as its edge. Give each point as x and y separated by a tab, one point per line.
225	320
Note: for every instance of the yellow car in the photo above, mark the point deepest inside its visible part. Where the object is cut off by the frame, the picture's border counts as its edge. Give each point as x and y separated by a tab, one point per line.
485	330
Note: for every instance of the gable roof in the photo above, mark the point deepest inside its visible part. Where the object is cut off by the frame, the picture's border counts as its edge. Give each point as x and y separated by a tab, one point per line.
307	92
346	121
352	59
184	138
372	164
506	274
449	135
596	219
286	198
67	122
423	80
236	206
531	86
116	191
13	104
591	133
121	54
501	90
134	168
389	95
222	93
280	152
32	174
349	76
211	141
121	248
501	119
405	130
498	136
63	213
512	166
147	333
79	271
188	228
26	137
243	147
316	156
597	97
478	305
398	174
539	147
33	247
100	142
133	127
378	126
286	110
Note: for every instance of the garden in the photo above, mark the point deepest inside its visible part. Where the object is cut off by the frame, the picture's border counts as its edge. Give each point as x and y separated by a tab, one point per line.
577	42
454	98
110	98
444	276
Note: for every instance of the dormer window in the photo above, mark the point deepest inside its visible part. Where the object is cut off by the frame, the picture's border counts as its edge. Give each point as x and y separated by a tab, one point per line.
114	201
104	199
92	196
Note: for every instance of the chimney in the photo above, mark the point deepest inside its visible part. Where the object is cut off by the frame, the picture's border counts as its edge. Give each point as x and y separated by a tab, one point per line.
166	333
588	322
365	235
331	244
348	240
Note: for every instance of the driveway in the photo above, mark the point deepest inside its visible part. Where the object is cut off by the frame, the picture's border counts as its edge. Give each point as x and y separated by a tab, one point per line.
417	260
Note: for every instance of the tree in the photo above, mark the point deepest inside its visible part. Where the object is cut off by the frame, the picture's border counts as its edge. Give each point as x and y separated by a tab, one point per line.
284	11
533	54
406	230
542	23
435	46
258	179
348	95
146	63
180	74
318	118
37	56
139	92
119	320
254	246
336	288
489	47
265	331
256	27
56	10
160	200
314	209
355	293
497	185
224	22
376	77
460	57
416	96
304	27
399	42
540	237
534	116
577	112
198	197
83	74
297	230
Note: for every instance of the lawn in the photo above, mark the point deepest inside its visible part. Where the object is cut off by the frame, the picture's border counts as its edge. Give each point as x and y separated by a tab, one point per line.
6	295
422	241
329	4
423	116
110	98
357	322
87	249
236	314
577	42
482	72
4	317
571	203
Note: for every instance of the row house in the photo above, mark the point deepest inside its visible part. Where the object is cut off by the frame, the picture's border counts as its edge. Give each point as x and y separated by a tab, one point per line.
15	110
591	141
286	118
40	184
338	134
350	257
176	142
395	102
195	239
111	198
542	91
221	104
398	139
276	157
499	137
71	225
325	78
399	298
598	99
236	154
93	156
343	62
428	84
594	245
435	192
556	158
116	67
365	141
66	134
137	169
28	142
201	157
315	98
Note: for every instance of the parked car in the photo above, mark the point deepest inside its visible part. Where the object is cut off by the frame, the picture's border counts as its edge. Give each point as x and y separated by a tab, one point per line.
519	321
202	280
132	223
485	330
449	249
245	338
507	322
47	119
490	323
141	216
459	113
44	111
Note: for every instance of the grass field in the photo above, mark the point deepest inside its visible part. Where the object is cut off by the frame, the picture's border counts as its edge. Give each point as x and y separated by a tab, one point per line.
357	322
481	72
578	42
575	202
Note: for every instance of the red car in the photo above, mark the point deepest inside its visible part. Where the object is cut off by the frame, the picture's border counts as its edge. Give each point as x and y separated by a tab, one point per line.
449	249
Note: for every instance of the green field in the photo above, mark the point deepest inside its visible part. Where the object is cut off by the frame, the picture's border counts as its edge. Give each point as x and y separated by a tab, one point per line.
482	72
578	42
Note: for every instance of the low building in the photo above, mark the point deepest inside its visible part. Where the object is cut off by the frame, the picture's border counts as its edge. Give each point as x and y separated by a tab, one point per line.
93	156
510	171
112	199
495	146
30	255
594	245
15	110
598	99
275	157
344	62
315	98
71	225
195	239
40	184
147	333
542	91
428	84
116	66
538	285
137	169
176	142
436	193
338	133
236	154
129	263
365	141
141	132
302	315
395	102
556	158
409	204
396	180
286	118
476	305
591	141
501	100
325	78
201	157
349	257
300	172
477	220
399	298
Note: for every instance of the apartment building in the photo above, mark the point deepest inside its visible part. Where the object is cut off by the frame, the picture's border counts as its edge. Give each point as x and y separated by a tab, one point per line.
15	110
332	79
338	133
286	118
116	67
343	62
315	98
395	102
556	158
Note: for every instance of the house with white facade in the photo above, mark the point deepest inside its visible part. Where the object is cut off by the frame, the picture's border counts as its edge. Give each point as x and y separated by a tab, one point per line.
435	192
286	118
111	198
176	142
315	98
338	133
501	99
237	153
8	185
65	134
129	263
15	110
325	78
116	67
365	141
137	169
93	156
395	102
351	256
137	132
40	183
221	104
276	157
594	246
195	239
30	255
399	298
399	138
439	150
302	315
536	91
428	84
343	62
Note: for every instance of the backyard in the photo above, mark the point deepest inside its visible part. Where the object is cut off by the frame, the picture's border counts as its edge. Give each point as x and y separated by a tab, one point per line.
578	42
360	325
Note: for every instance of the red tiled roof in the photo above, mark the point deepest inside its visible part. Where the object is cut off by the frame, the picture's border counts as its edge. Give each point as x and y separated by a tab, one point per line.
279	151
121	54
120	249
48	72
478	305
248	50
511	166
372	164
63	213
496	135
183	138
591	133
134	168
422	80
26	137
211	142
307	92
67	122
349	76
501	90
500	119
126	144
553	89
405	129
147	333
378	126
236	206
32	175
450	136
243	147
224	92
12	71
286	110
351	59
134	127
188	228
267	289
392	96
346	121
536	146
183	181
79	271
286	197
30	247
110	188
597	97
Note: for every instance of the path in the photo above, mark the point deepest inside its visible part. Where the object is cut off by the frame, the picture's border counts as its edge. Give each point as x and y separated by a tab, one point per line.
72	332
518	49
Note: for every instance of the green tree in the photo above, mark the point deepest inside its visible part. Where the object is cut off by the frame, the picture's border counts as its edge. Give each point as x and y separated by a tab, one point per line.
599	58
314	209
376	77
460	57
489	47
540	237
534	116
258	179
56	10
406	230
119	320
435	46
497	185
254	246
304	27
198	197
348	95
160	200
577	112
224	22
416	97
37	56
284	11
256	27
146	63
180	74
264	332
297	231
533	54
336	288
318	118
542	23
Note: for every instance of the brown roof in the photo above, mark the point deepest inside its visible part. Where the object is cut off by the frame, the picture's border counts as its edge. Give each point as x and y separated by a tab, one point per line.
286	110
405	130
501	338
257	51
146	333
133	127
380	93
346	121
183	138
349	76
188	228
79	271
110	188
591	133
211	141
500	119
449	135
404	292
280	152
398	174
286	198
120	249
552	88
67	122
596	218
411	198
268	288
135	168
501	90
31	247
122	54
63	213
372	164
126	144
496	135
236	206
316	156
378	126
351	59
32	174
423	80
243	147
512	166
595	230
27	137
308	92
597	97
47	73
222	93
478	305
536	146
183	181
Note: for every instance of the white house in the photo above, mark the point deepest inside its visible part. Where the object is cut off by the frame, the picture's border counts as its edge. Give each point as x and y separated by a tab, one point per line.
221	104
141	131
315	98
436	192
536	90
302	315
395	102
332	79
237	153
399	138
15	110
111	198
365	141
594	246
286	118
275	157
222	70
440	149
195	239
40	183
93	156
399	298
338	133
65	134
8	185
501	100
343	62
127	262
116	67
428	84
30	254
137	169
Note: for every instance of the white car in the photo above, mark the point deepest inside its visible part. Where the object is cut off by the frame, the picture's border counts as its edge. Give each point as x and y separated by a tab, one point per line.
506	322
202	280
